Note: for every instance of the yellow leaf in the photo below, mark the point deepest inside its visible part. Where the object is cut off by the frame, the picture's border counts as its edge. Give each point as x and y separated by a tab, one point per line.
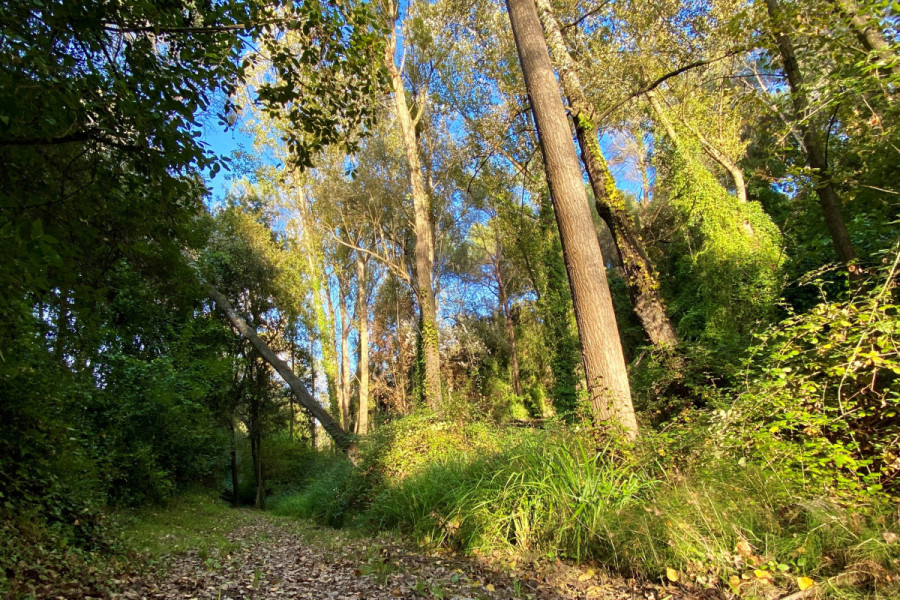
672	574
586	575
734	580
804	583
489	587
762	574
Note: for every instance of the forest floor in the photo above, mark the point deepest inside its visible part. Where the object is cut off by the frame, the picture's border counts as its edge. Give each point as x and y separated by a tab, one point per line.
259	556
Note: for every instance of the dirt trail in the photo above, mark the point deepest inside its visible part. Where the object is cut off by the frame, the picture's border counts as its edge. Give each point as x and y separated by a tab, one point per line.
275	559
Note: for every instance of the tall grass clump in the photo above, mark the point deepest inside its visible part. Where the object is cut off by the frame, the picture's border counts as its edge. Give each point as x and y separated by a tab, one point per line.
638	511
550	492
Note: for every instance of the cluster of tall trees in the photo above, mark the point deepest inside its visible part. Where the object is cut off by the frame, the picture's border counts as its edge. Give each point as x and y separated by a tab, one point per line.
478	209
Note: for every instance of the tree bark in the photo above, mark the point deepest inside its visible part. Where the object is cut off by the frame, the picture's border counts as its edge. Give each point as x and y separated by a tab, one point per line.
235	492
332	366
294	369
256	452
303	397
362	419
604	363
345	356
815	148
640	276
312	387
424	235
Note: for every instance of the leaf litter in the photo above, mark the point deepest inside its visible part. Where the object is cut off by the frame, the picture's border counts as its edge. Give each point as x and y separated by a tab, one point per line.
279	559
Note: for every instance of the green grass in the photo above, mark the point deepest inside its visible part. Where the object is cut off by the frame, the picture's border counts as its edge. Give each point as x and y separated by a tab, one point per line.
194	521
561	493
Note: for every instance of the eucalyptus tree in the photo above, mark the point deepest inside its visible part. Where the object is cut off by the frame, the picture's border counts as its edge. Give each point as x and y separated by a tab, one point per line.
407	120
607	379
479	83
640	275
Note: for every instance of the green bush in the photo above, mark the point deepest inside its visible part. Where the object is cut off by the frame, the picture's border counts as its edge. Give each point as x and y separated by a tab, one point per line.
821	397
546	493
329	493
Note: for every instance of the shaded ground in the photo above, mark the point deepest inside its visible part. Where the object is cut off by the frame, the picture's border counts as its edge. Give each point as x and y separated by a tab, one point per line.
275	558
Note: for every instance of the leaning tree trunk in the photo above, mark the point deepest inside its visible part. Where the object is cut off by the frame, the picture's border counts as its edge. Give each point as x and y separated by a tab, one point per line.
869	36
815	148
303	396
424	235
604	363
641	279
362	369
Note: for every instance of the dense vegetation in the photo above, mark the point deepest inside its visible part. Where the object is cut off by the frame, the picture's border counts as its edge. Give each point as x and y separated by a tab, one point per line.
416	308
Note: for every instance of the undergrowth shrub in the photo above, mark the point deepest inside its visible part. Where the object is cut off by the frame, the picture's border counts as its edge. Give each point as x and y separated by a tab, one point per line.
331	490
402	447
639	511
544	493
821	397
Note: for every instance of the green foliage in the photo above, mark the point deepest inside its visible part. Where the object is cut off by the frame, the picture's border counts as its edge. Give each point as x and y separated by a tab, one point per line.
722	271
664	382
821	397
631	332
555	306
542	494
405	446
667	503
331	493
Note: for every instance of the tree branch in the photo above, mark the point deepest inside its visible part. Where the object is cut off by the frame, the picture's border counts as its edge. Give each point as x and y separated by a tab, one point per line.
585	16
660	80
117	28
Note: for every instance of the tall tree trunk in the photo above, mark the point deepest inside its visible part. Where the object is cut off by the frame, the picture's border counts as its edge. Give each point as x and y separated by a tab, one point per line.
320	297
362	369
332	366
235	491
256	449
294	369
510	329
424	234
641	278
815	148
258	470
345	355
312	387
303	396
868	34
604	363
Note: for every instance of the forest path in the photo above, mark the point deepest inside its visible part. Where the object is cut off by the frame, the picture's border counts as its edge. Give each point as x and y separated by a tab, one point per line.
281	559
